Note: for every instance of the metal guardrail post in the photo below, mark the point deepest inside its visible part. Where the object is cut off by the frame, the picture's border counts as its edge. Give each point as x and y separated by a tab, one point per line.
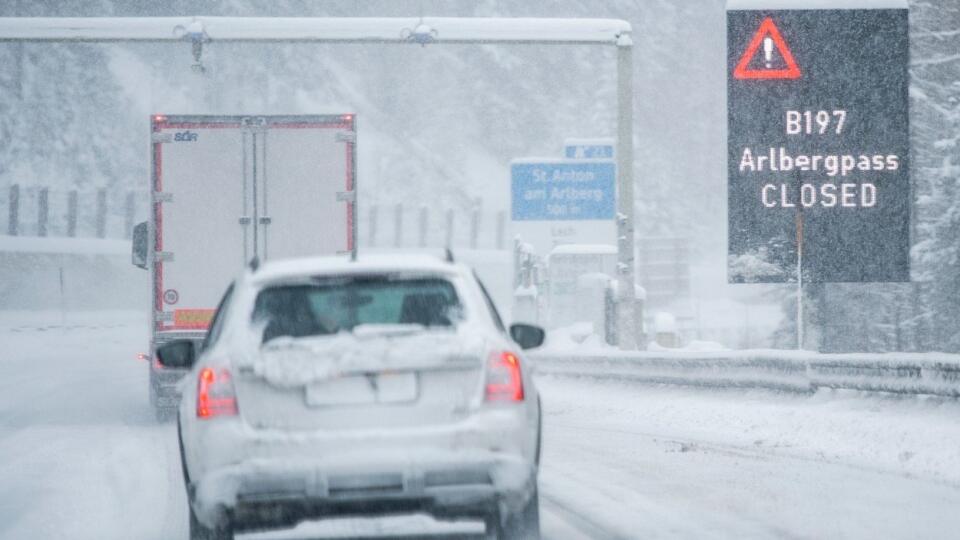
72	213
43	211
13	222
101	213
398	225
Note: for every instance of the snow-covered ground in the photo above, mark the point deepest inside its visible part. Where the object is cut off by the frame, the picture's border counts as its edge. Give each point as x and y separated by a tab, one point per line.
668	462
81	456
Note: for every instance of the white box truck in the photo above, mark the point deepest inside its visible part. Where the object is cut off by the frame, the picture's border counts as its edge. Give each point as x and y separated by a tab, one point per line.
227	189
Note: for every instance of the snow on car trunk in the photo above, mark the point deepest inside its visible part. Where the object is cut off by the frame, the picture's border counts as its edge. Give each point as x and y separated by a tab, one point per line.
377	376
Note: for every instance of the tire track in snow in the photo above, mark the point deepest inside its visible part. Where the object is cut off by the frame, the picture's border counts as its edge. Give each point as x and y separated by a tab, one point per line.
580	522
756	452
625	457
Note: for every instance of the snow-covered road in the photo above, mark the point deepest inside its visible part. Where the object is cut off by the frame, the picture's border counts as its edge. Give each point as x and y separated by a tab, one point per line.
81	456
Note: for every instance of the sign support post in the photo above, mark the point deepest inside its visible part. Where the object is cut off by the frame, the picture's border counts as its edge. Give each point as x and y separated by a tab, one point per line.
628	326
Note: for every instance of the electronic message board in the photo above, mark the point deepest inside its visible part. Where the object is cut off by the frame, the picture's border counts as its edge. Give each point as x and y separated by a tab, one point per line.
818	144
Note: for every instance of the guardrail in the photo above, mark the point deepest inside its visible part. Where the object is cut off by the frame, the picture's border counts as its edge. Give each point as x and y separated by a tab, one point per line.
794	371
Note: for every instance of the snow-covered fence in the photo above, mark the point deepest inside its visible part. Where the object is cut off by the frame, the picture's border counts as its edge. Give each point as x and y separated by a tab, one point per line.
100	213
400	226
795	371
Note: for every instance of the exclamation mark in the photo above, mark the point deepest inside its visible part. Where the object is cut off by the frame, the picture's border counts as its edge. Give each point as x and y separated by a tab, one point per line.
768	51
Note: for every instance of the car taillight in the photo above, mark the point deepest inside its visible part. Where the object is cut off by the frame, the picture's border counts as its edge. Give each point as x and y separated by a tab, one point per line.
215	394
504	380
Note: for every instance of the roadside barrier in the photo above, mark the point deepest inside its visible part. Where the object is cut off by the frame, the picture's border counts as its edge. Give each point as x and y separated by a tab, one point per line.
935	374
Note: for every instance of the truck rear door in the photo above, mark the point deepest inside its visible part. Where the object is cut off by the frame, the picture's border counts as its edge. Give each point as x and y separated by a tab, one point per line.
306	186
229	188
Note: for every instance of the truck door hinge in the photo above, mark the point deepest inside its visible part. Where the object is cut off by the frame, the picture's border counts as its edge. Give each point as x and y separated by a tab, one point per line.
163	256
162	197
156	137
164	316
346	196
266	220
346	136
245	220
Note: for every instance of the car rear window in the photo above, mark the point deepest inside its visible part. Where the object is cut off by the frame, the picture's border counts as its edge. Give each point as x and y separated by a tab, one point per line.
329	305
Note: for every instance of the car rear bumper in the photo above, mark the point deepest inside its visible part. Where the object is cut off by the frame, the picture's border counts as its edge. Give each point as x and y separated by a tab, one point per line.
265	493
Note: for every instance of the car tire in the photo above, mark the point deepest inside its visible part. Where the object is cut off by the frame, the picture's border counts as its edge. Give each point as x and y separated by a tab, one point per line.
492	528
199	531
522	525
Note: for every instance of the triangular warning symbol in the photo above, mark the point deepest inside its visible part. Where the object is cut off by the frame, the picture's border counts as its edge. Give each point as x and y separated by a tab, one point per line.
767	28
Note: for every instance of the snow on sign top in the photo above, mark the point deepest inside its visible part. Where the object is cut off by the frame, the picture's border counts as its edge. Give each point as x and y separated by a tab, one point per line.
815	4
333	29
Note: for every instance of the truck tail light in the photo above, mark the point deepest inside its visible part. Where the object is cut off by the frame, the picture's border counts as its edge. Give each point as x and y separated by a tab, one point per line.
215	394
504	379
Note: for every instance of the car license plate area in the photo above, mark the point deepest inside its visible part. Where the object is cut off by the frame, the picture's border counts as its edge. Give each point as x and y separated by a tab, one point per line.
363	390
396	387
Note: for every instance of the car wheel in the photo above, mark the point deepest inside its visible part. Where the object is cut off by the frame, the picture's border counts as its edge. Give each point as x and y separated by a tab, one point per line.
199	531
525	524
492	528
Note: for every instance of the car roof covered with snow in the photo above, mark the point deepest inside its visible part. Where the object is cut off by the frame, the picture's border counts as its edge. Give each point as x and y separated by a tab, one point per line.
282	269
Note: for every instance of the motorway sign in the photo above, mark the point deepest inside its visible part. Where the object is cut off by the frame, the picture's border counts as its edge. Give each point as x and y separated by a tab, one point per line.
562	201
559	189
588	148
818	143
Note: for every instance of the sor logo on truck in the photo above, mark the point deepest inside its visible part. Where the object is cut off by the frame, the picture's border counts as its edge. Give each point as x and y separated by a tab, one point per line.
185	136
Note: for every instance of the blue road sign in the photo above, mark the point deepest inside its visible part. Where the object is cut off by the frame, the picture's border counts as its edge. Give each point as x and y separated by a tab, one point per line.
588	151
563	190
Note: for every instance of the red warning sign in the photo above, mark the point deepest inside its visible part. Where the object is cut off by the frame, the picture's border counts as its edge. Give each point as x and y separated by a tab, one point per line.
768	35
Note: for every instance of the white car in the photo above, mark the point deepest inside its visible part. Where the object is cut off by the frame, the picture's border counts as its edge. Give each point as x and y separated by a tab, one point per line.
328	387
